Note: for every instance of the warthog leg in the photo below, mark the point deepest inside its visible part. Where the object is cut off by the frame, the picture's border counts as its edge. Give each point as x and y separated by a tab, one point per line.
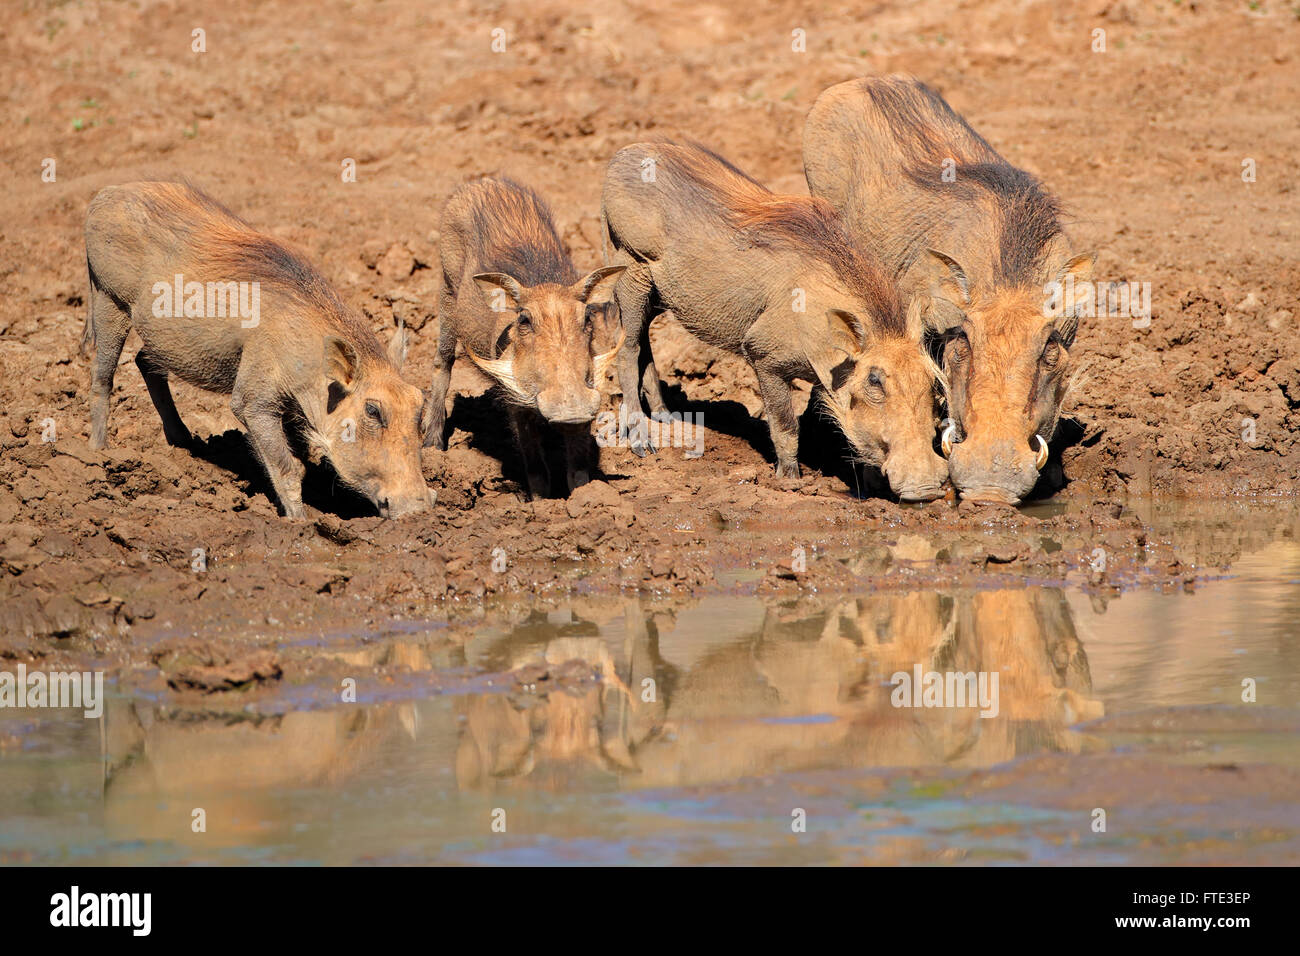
174	429
264	423
633	293
577	455
524	422
778	408
651	387
443	360
110	325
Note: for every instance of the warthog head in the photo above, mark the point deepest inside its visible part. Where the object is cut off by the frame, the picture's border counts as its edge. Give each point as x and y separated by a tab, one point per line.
1007	364
880	389
546	358
373	428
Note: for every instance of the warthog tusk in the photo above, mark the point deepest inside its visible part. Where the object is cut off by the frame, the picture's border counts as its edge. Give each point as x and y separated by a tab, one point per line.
502	371
945	441
601	363
1040	458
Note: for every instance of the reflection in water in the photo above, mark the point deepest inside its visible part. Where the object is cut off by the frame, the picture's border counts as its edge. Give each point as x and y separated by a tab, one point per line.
799	688
617	731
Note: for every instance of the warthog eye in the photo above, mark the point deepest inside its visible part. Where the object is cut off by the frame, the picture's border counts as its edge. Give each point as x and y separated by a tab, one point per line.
1051	353
876	381
375	413
525	321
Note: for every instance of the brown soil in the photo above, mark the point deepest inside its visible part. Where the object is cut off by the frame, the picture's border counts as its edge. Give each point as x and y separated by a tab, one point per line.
1144	142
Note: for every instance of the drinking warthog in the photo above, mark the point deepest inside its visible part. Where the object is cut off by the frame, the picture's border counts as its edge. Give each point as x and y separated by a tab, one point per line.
525	319
774	279
957	222
223	307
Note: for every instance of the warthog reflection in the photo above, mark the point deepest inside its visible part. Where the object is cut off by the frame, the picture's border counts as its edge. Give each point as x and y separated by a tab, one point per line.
807	688
612	694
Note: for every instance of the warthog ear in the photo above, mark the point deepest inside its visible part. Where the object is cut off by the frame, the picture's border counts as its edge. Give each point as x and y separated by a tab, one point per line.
341	369
584	288
1079	269
847	332
944	280
491	282
845	342
341	363
397	347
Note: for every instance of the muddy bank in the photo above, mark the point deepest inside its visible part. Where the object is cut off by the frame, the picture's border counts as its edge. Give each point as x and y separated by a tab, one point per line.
106	553
619	729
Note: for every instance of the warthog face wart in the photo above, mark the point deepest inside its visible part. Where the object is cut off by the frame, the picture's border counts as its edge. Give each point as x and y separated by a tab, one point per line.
547	358
372	431
872	395
1008	369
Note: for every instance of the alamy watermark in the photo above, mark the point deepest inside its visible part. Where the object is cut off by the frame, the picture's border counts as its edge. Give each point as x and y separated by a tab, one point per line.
208	300
946	689
1087	300
56	689
75	908
660	429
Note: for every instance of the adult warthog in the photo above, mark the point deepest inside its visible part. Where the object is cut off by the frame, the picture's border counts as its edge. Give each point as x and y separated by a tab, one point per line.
983	239
776	280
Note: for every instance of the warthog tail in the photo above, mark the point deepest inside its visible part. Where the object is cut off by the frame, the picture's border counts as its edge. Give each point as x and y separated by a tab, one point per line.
604	237
88	334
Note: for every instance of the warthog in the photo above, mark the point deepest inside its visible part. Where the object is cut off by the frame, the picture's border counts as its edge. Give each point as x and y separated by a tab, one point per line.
223	307
526	320
776	280
956	221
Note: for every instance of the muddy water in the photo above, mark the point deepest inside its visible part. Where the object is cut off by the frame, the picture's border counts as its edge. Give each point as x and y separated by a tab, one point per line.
731	729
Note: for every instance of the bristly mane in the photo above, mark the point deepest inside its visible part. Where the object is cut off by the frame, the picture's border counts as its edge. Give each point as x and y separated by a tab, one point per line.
1027	217
806	224
230	248
928	131
517	233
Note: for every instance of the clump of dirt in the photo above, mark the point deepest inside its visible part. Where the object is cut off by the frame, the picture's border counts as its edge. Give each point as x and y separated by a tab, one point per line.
191	665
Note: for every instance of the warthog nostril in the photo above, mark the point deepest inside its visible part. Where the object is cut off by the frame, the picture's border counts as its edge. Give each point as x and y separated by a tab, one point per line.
1040	457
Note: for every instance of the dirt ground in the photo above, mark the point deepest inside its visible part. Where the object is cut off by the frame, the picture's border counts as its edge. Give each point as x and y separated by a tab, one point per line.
111	552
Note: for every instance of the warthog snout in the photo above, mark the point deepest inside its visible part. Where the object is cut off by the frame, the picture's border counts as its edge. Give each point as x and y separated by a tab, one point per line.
916	477
396	507
1003	470
372	431
569	406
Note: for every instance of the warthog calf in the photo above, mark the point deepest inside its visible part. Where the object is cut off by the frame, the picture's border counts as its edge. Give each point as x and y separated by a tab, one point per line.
776	280
959	223
223	307
511	296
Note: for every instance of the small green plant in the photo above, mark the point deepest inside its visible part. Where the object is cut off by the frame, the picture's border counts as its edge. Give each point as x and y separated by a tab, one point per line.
191	131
